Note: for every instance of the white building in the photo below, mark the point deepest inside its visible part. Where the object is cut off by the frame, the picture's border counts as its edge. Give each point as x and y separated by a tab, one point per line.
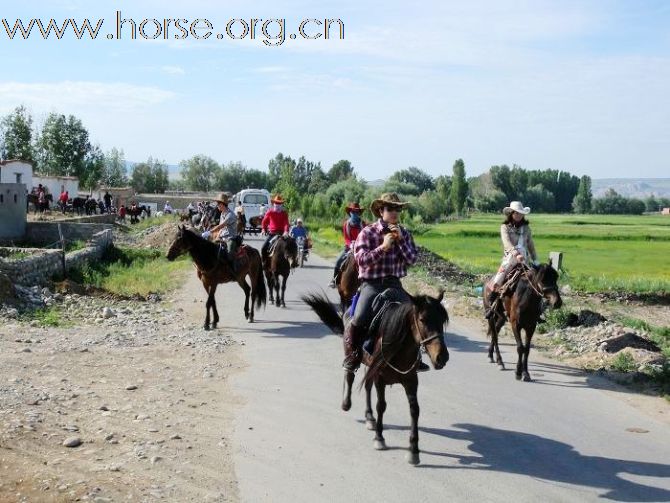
16	171
57	184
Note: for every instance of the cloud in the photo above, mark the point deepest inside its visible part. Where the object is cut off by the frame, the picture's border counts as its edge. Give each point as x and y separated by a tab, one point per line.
81	94
173	70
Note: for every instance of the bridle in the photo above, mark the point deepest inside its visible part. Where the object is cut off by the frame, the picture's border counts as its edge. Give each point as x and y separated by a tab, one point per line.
422	342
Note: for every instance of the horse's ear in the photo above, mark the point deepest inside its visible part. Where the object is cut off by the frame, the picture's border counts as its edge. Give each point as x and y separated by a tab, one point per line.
441	295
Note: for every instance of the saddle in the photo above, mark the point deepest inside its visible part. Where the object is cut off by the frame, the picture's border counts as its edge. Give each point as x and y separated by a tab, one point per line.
381	304
273	245
347	257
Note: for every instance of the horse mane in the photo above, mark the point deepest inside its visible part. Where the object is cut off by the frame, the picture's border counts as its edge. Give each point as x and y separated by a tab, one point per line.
394	327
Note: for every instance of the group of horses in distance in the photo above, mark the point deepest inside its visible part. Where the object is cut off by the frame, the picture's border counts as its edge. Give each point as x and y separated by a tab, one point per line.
402	331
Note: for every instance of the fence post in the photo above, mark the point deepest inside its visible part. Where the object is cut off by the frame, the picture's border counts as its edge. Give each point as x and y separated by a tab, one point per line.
556	260
62	247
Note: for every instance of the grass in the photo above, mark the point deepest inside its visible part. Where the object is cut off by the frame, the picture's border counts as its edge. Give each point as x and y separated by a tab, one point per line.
600	253
132	272
623	362
150	222
47	317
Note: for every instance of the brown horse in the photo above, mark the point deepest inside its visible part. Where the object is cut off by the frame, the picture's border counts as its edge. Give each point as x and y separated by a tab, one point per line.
284	258
212	270
241	224
255	223
523	308
347	281
401	333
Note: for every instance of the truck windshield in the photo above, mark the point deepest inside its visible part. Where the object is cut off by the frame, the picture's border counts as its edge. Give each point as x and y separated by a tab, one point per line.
255	199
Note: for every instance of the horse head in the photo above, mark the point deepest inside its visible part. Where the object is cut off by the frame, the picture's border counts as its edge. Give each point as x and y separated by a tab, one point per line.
546	278
180	245
430	319
291	251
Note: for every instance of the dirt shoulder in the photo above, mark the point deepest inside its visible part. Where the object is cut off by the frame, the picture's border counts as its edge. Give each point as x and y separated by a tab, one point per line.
143	389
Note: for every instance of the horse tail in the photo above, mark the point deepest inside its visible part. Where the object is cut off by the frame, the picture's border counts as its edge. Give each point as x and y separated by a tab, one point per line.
325	311
259	287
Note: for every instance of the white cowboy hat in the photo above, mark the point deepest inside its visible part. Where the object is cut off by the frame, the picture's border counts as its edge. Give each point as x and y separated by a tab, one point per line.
516	206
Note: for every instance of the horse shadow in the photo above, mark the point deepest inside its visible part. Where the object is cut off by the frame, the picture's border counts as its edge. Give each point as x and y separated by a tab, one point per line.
298	330
538	457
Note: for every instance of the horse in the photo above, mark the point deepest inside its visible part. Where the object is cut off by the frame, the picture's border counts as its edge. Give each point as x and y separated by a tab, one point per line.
284	258
523	308
347	280
135	212
33	198
255	223
212	271
399	337
91	205
241	224
78	205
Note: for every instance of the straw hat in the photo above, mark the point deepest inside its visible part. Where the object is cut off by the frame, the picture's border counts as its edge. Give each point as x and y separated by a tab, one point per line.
277	199
516	206
386	199
222	198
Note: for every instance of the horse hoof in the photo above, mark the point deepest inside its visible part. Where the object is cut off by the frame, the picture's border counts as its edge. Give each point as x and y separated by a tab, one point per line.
526	378
518	377
413	458
346	404
380	445
251	319
501	366
206	327
371	424
213	326
491	360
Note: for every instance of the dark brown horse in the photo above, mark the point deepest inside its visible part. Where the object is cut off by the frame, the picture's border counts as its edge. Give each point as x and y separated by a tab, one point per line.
255	223
213	269
347	281
284	258
523	307
401	333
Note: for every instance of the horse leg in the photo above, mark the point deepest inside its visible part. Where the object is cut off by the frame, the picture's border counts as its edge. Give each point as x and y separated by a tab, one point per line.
529	336
411	385
370	422
275	282
268	277
491	333
214	310
207	305
283	289
498	326
346	392
519	349
243	284
379	442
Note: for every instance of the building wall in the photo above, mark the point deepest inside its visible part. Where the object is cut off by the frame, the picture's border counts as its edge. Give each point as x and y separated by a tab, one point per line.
56	184
45	233
42	265
10	169
13	205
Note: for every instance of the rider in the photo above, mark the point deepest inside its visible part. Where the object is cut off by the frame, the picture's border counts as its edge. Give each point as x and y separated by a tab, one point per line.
383	251
239	213
300	231
518	246
226	230
350	229
275	223
167	209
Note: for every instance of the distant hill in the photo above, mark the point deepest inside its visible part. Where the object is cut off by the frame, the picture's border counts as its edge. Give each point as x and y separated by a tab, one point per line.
632	187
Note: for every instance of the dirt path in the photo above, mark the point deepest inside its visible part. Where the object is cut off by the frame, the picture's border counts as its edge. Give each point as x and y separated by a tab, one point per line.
144	391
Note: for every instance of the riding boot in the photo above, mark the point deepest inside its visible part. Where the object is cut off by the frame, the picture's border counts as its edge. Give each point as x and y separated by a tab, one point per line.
353	340
493	296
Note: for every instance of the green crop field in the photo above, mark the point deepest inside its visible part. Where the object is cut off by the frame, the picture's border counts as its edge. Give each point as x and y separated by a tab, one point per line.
600	253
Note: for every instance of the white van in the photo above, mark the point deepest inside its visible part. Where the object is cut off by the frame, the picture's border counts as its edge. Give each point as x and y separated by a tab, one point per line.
254	201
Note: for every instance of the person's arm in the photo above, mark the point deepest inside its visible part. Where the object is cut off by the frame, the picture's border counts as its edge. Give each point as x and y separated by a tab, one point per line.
365	251
286	222
265	222
506	241
407	247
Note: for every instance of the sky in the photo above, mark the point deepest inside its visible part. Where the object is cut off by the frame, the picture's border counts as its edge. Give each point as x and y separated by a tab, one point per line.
580	86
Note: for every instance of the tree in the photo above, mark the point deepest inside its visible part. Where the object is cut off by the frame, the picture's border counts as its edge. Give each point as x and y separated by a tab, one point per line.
459	187
582	201
16	135
491	202
114	174
95	167
62	146
341	170
500	177
539	198
150	176
414	176
200	173
320	182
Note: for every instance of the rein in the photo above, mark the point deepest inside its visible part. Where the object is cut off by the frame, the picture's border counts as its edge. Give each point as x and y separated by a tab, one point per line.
422	342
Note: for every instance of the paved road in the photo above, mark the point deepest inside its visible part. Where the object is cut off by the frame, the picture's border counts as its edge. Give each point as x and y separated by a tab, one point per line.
483	435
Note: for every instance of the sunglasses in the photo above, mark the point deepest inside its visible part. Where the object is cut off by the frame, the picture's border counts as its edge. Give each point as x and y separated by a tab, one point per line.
397	209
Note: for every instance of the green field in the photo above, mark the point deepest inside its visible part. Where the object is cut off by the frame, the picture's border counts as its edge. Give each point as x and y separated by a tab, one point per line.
600	252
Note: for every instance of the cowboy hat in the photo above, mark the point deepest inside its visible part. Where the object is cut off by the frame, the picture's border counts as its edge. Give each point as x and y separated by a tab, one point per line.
386	199
222	198
516	206
354	207
277	199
